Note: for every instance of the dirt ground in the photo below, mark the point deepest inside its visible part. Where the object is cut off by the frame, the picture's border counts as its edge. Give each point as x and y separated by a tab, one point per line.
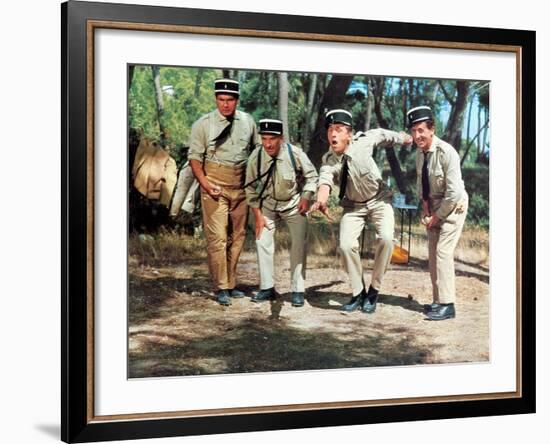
176	327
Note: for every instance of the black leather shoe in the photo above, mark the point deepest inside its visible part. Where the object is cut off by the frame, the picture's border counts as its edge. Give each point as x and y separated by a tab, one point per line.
223	297
297	299
431	307
444	311
369	305
355	302
264	295
234	293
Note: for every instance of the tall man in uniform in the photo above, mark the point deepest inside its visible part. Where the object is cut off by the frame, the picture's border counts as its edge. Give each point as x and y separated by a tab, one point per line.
281	181
220	144
444	207
363	195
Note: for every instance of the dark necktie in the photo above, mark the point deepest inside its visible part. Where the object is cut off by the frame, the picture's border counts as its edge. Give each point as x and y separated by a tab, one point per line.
269	175
225	132
343	177
425	179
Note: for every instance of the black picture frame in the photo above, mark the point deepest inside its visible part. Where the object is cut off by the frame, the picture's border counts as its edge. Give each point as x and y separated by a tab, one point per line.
78	19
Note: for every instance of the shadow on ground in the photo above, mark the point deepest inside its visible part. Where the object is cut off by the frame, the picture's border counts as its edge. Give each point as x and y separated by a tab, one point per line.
262	345
483	275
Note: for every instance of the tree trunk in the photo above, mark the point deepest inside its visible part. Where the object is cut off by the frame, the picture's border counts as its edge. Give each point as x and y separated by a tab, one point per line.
316	110
404	104
282	80
434	94
479	140
370	104
395	166
160	103
130	75
468	141
308	111
485	131
453	132
198	81
332	98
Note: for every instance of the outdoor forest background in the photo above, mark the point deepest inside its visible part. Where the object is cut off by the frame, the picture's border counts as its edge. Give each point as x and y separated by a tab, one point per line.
165	101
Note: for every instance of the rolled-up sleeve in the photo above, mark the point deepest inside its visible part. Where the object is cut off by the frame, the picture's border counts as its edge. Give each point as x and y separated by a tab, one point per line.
310	175
453	185
198	141
385	138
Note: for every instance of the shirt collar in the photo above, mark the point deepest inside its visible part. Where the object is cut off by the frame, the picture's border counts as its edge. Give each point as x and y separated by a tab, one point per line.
222	118
435	140
279	156
347	152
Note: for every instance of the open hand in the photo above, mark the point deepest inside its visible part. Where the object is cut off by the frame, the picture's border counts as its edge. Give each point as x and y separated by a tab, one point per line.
323	208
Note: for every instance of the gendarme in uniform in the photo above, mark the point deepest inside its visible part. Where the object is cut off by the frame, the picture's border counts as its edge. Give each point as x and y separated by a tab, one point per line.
363	195
441	188
221	144
277	184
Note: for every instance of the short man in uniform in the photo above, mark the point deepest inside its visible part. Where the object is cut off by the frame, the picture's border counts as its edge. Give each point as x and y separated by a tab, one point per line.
220	144
363	195
281	181
444	207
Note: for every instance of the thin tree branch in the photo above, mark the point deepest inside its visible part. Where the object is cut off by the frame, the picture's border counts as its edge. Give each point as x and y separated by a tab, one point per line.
470	143
445	93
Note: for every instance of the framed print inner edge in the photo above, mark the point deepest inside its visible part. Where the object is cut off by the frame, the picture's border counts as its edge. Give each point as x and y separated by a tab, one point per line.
92	25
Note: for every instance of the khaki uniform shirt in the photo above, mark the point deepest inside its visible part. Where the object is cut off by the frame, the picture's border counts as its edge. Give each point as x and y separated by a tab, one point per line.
445	176
234	149
364	179
282	192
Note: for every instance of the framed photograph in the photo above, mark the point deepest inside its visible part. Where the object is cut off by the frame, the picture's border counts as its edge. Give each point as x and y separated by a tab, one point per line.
161	337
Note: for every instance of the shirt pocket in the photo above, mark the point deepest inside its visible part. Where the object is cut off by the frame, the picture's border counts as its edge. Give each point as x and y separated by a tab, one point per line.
438	179
368	181
243	137
288	181
365	172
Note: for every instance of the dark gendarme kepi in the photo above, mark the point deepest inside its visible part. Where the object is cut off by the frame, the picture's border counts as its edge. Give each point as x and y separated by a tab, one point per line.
338	116
226	86
419	114
271	126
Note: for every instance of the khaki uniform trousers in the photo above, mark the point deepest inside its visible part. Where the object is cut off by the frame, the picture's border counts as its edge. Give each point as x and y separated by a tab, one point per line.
442	241
351	225
224	221
265	246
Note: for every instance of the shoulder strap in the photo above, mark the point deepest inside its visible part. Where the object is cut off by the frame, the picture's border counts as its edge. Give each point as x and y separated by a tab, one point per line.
292	158
259	162
252	142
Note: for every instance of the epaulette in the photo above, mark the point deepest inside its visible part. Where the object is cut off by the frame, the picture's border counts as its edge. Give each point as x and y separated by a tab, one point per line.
326	156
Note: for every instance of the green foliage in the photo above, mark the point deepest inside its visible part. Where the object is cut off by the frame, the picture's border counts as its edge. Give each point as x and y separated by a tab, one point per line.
188	95
478	211
181	105
142	108
476	181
